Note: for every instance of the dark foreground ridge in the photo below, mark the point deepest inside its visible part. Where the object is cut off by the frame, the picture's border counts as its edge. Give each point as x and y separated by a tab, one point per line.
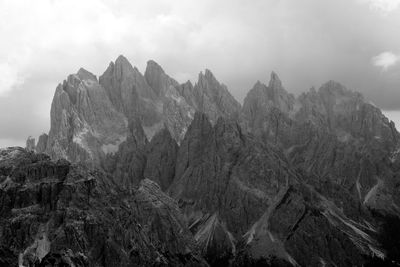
57	214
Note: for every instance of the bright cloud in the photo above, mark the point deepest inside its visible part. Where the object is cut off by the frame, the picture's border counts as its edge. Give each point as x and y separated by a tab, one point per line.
385	60
384	6
8	78
50	26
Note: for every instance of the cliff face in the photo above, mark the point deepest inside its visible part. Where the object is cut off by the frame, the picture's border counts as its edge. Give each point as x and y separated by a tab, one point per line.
333	135
84	124
89	117
309	180
58	214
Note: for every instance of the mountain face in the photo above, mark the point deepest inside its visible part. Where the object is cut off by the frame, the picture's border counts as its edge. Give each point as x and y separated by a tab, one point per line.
332	134
90	116
84	123
182	174
54	213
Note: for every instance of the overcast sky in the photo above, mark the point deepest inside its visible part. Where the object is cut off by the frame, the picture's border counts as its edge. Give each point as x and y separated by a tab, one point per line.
308	42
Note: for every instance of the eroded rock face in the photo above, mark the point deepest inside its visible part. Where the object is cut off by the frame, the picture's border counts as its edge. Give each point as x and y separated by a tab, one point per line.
282	181
344	150
89	117
332	134
84	124
213	98
130	94
161	159
128	164
30	144
223	173
304	228
41	146
60	214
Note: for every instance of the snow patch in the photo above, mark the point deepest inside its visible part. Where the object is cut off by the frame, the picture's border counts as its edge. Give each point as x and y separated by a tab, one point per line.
372	192
112	148
80	139
150	131
358	186
40	246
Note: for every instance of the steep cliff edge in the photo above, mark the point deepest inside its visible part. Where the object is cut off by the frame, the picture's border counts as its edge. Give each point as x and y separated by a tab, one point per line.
59	214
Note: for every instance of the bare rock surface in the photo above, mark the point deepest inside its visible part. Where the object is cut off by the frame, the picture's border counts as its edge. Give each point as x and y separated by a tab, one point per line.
54	213
282	181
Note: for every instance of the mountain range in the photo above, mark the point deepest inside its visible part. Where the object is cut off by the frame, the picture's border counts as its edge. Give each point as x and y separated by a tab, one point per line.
140	170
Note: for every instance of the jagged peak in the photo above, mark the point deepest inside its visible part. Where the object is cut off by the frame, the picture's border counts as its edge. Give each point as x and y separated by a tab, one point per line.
122	60
208	72
332	87
188	83
275	82
207	75
123	64
259	84
153	66
121	67
84	74
257	88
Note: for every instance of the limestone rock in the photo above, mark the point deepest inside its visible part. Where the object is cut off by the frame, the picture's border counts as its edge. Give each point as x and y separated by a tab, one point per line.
161	159
41	146
213	98
84	125
130	94
58	213
219	169
30	144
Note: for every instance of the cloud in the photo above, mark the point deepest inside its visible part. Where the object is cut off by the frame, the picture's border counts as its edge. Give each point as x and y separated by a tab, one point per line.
385	60
8	78
383	6
33	29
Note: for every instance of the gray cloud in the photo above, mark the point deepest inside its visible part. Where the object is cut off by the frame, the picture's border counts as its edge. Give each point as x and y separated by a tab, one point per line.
306	42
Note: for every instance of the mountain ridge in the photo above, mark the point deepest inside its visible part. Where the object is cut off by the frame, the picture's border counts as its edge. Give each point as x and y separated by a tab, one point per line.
280	180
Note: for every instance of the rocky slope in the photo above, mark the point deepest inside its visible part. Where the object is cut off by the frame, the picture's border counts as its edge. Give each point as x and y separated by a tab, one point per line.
53	213
283	181
84	124
245	204
333	135
89	116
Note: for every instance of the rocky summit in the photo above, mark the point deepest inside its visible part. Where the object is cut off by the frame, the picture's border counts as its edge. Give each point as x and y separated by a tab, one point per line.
140	170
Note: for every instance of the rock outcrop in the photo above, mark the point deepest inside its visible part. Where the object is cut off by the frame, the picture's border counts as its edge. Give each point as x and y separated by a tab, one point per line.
332	134
30	144
161	159
212	98
57	214
84	124
89	116
41	146
225	180
282	181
